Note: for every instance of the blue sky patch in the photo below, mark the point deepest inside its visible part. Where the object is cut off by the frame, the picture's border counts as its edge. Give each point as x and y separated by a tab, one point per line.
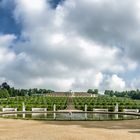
8	25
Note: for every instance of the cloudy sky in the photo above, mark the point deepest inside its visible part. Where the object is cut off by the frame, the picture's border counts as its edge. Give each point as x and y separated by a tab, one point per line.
70	44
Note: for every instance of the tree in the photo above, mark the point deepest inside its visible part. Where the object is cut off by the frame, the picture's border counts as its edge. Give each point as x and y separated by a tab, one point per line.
109	92
5	86
49	91
95	91
90	91
4	93
12	92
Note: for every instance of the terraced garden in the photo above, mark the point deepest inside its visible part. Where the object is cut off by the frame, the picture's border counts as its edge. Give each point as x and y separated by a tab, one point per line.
62	103
105	102
34	102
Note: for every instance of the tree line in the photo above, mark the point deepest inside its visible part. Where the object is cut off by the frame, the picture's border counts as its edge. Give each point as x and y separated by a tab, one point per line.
133	94
7	91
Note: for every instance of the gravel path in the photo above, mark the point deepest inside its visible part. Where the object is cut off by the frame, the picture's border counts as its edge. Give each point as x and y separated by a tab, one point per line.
69	130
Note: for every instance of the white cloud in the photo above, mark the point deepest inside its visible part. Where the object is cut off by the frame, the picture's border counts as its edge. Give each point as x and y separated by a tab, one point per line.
6	55
72	46
98	80
135	83
6	40
116	83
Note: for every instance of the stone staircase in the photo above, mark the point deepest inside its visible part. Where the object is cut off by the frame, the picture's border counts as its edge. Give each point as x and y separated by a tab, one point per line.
70	105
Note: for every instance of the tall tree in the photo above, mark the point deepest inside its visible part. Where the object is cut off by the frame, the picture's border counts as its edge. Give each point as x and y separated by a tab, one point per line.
5	86
4	93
